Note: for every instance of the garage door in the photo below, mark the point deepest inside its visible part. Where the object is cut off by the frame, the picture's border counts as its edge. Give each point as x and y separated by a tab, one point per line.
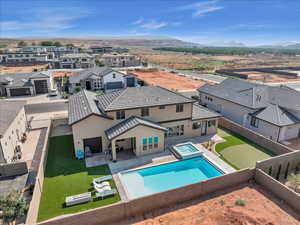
95	144
114	85
41	86
20	91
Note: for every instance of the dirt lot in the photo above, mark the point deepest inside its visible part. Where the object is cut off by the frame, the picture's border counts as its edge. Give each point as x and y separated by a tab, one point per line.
261	208
14	69
62	73
168	80
268	77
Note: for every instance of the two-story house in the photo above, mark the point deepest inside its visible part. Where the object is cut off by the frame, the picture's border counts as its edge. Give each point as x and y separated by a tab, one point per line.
137	119
120	60
273	112
101	78
76	60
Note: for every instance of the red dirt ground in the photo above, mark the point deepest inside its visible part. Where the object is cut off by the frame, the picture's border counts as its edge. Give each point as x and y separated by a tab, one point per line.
261	208
14	69
62	73
169	80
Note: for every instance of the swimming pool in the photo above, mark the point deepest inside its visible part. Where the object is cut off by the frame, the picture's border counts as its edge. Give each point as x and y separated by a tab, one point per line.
186	151
163	177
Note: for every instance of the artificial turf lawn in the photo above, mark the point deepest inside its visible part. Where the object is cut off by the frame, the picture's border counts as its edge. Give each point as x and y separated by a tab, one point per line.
240	152
65	176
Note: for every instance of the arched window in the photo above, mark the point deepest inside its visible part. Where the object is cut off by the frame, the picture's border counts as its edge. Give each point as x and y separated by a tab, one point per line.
287	170
278	172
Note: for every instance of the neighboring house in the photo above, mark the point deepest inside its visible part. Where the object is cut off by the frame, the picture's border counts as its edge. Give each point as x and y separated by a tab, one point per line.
120	60
22	84
138	120
101	78
74	61
107	49
274	112
26	57
58	51
13	125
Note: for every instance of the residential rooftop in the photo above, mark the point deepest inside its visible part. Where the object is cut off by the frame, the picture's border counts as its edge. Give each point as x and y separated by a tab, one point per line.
8	112
21	79
94	71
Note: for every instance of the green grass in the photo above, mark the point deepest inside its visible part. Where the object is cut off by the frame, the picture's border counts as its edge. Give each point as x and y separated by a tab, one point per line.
65	176
240	152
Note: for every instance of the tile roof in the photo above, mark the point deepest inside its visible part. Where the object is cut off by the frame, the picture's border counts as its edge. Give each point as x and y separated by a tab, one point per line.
8	112
130	123
86	103
200	112
92	72
275	104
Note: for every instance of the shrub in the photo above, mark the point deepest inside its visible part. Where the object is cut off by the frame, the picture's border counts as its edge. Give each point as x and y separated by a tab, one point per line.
222	202
240	202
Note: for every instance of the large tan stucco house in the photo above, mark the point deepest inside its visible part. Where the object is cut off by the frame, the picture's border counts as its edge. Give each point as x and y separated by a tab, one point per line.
13	125
139	120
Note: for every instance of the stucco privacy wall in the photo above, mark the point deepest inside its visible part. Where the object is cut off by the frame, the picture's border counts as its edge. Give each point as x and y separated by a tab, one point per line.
122	210
273	146
288	163
33	210
278	189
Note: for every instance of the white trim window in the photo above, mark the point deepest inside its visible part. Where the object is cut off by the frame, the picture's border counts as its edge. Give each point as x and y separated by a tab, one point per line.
175	131
254	122
144	144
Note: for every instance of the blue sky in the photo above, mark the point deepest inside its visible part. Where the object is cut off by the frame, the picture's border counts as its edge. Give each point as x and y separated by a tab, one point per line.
203	21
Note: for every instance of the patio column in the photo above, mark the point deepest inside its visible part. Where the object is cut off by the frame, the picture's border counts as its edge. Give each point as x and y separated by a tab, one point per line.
113	150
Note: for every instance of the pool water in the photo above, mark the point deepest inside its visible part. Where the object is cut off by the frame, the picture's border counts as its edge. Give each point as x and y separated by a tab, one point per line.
163	177
187	148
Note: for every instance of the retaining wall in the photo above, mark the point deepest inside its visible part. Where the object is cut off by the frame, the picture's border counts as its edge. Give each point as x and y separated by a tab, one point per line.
13	169
273	146
122	210
278	189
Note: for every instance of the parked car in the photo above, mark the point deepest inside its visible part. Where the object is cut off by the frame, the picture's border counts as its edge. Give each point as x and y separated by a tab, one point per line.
52	93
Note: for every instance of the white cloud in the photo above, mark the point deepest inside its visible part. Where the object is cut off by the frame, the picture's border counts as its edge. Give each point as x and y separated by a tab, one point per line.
153	24
202	8
46	20
249	26
137	22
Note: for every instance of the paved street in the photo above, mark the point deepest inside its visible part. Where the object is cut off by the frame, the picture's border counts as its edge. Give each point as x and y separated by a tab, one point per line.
46	107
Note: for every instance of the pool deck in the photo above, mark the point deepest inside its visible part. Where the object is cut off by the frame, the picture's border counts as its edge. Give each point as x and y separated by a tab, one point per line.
161	158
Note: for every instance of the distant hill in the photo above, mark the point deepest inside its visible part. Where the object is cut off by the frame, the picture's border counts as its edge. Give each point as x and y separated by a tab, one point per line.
226	44
116	41
289	45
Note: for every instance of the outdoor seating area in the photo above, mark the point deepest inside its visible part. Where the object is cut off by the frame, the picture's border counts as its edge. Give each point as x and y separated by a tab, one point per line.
69	185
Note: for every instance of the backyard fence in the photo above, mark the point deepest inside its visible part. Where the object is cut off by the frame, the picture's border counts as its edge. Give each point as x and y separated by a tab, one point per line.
121	211
259	139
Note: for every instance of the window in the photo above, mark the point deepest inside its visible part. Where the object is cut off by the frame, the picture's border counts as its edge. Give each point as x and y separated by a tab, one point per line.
144	144
254	122
197	125
162	107
120	115
175	131
144	111
114	75
155	142
179	108
150	140
211	123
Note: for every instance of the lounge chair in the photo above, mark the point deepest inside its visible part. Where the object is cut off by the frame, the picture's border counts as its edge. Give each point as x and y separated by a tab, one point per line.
106	193
100	190
102	184
101	179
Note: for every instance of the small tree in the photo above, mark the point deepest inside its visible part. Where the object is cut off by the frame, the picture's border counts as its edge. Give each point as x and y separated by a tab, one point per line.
22	44
294	180
13	206
57	44
77	89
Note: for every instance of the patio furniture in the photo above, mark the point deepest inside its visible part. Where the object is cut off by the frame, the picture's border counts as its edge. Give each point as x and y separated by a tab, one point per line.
102	184
100	190
101	179
77	199
106	193
79	154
